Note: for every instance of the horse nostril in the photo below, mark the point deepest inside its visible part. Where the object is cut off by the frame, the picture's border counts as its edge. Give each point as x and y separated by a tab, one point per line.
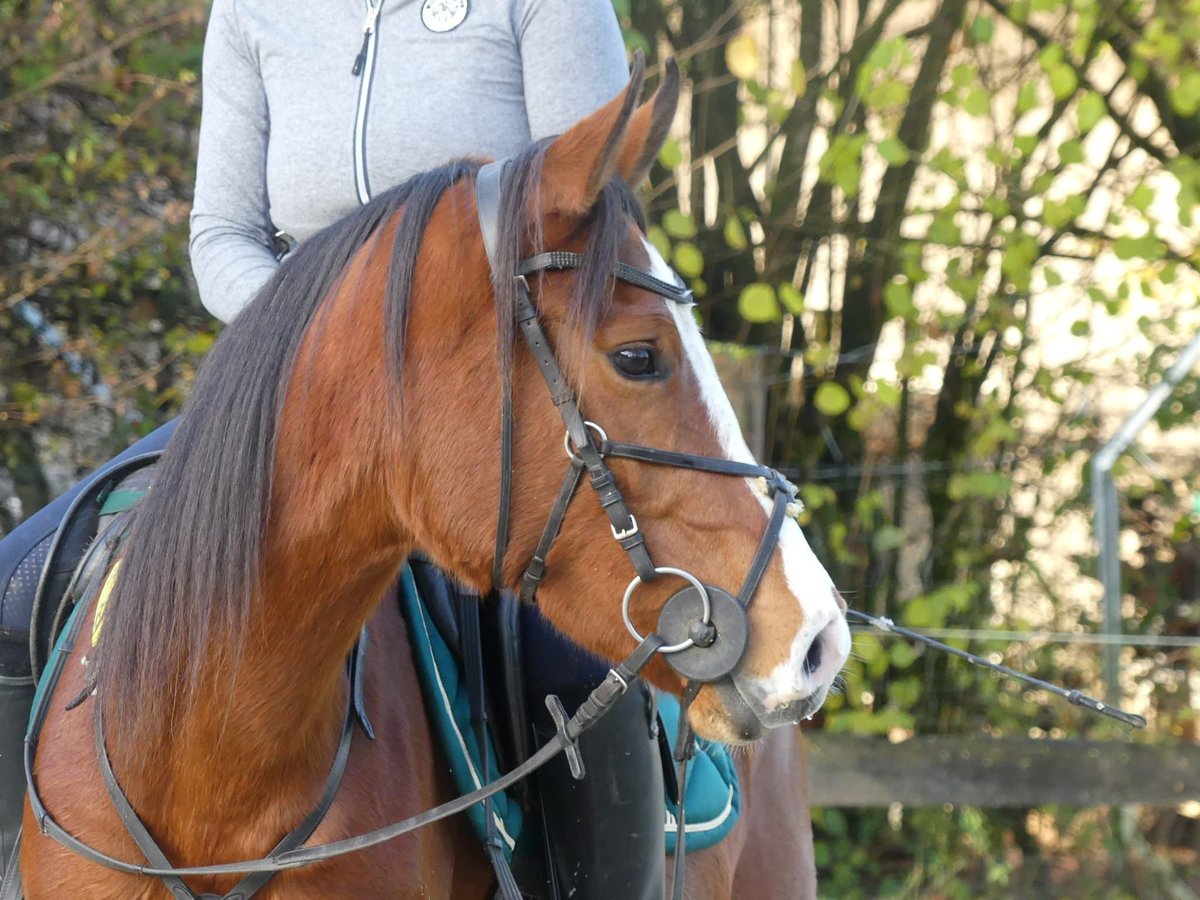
812	660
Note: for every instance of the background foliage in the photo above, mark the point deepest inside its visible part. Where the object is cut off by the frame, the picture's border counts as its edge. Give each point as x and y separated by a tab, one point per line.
961	230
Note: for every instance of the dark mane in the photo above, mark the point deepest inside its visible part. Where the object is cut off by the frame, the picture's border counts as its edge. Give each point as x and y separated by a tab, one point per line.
192	561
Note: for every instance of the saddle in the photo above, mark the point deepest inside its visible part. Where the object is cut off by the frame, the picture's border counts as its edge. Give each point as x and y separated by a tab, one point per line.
71	565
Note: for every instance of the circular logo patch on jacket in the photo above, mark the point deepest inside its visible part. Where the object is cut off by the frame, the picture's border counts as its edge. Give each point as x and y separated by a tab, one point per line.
443	15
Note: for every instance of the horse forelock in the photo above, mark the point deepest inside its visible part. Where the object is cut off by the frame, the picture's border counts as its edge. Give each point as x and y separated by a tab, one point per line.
192	563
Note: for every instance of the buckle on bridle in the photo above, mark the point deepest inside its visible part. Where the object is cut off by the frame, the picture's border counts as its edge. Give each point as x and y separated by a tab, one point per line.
626	532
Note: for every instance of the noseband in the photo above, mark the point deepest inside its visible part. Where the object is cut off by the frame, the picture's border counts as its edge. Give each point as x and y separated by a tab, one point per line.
704	626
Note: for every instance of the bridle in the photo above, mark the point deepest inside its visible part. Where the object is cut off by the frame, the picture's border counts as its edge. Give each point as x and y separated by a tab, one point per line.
704	626
702	629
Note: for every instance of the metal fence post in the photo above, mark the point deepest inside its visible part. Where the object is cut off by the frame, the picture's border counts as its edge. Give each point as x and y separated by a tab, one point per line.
1104	502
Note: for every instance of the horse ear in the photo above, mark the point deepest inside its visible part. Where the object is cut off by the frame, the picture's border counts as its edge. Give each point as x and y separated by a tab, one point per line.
648	129
581	161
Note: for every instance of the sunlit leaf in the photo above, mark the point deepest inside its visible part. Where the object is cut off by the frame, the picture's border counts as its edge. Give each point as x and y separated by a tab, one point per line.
831	399
792	299
678	225
894	153
982	29
1145	247
671	153
688	259
799	78
1091	111
741	57
735	234
1070	152
757	303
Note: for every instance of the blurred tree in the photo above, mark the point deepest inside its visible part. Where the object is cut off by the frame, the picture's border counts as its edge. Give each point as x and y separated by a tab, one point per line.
959	227
98	323
915	179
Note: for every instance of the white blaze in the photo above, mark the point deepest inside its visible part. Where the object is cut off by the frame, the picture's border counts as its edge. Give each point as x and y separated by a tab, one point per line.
805	576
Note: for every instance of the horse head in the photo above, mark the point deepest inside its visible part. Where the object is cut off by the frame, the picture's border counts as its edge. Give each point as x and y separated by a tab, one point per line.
634	359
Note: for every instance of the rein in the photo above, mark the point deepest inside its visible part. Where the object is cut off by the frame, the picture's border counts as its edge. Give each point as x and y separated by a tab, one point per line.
1075	697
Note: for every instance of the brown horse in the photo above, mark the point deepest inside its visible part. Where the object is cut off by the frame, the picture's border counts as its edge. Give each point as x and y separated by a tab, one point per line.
351	415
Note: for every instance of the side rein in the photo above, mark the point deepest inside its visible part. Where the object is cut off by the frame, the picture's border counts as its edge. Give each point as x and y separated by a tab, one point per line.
702	630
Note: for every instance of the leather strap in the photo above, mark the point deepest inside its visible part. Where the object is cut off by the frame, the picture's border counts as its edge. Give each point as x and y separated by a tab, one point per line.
254	881
488	186
766	547
536	569
471	647
602	698
88	495
488	182
622	271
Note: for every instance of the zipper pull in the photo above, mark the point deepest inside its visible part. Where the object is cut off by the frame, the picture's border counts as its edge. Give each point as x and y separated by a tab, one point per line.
362	55
369	24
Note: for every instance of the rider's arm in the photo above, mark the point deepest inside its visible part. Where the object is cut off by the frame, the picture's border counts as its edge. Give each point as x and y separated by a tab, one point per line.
573	60
232	246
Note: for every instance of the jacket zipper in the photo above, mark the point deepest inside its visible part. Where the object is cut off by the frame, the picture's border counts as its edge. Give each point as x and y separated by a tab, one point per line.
364	68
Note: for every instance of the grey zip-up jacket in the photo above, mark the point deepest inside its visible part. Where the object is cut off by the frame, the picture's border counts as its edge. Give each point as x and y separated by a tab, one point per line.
309	106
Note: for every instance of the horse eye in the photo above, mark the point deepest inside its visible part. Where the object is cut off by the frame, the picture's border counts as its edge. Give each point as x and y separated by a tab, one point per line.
636	362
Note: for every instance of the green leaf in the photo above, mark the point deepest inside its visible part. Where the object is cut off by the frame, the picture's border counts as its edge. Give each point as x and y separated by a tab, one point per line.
1091	111
1027	98
677	225
1025	143
1185	98
1142	197
1145	247
897	295
964	75
894	152
1063	81
977	102
889	537
792	299
1070	152
659	239
831	399
757	303
199	343
799	78
741	57
978	484
688	260
671	154
735	234
982	29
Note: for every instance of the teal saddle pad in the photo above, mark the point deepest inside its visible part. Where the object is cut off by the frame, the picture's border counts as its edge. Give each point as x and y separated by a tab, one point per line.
713	796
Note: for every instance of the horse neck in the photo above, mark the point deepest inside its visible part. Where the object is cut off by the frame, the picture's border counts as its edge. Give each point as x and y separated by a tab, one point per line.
331	550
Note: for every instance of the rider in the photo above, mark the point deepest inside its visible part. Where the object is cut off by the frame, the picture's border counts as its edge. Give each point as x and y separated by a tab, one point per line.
309	108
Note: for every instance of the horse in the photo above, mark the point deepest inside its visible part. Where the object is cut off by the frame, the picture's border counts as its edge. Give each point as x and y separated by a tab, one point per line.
351	415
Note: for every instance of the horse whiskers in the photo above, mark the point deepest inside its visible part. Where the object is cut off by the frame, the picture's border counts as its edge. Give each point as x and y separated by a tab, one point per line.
839	684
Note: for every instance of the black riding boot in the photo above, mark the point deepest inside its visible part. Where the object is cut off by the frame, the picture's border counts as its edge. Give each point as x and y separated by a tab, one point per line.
16	696
606	831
